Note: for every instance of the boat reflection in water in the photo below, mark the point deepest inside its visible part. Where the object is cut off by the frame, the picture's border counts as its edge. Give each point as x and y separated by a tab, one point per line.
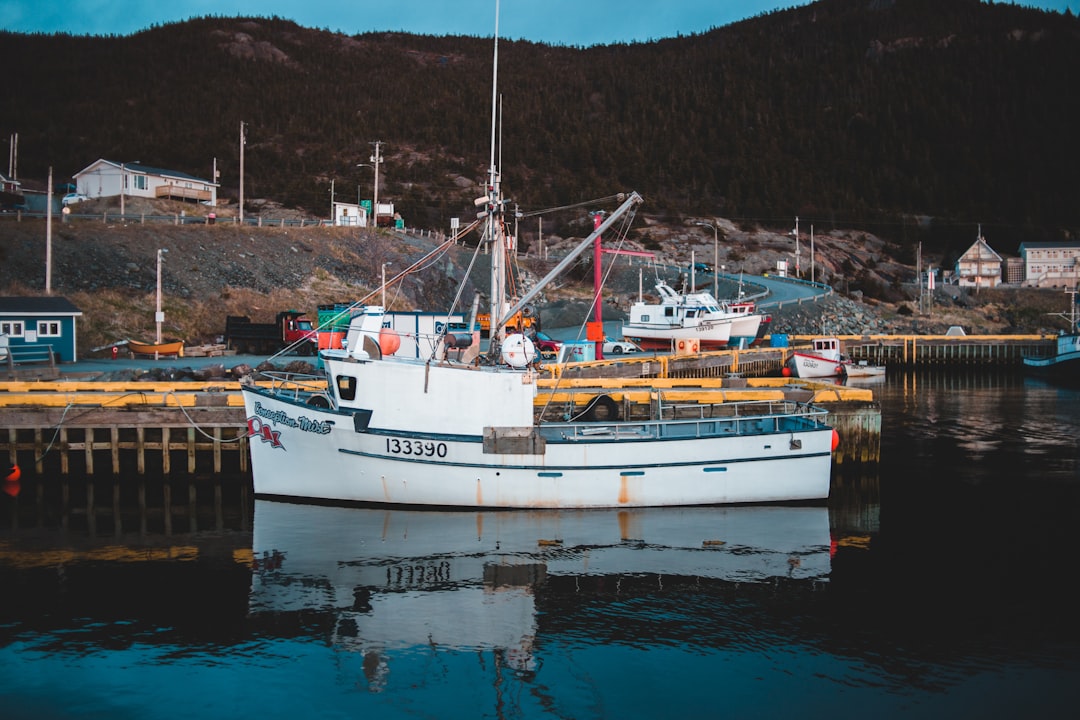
383	580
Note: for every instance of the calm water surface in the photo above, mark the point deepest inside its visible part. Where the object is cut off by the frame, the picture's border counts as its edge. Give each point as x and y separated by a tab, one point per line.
939	585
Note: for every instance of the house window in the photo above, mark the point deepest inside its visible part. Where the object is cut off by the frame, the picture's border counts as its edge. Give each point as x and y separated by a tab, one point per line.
140	182
11	328
48	328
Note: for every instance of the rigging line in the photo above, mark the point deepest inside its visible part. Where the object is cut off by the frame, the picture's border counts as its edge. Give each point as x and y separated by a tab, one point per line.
597	201
621	235
202	432
457	297
442	248
56	434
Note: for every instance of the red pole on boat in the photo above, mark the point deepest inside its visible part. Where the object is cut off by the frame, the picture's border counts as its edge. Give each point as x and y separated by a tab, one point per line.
598	281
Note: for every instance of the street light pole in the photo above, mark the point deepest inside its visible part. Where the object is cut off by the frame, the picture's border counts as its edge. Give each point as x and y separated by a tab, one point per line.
383	301
795	232
376	159
159	316
360	165
716	258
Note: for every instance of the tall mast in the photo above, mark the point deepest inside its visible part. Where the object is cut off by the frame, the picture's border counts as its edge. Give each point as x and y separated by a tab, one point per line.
498	272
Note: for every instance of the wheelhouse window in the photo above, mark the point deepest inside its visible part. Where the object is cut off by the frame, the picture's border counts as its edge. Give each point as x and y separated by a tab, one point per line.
48	328
12	328
346	387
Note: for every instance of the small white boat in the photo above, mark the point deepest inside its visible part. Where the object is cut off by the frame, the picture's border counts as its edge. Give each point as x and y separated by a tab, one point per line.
822	359
862	369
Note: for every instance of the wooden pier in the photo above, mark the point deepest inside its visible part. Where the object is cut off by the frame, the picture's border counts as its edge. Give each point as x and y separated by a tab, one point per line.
193	429
940	351
132	428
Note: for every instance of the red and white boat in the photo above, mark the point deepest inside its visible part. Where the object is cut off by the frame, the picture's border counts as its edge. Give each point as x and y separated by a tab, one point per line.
823	359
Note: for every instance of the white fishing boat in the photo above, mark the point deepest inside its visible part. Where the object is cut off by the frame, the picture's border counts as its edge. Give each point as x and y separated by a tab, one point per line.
750	326
822	359
385	581
465	429
697	318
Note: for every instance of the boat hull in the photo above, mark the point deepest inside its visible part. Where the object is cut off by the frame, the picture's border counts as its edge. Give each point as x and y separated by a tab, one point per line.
859	370
815	366
708	336
169	348
1064	363
298	450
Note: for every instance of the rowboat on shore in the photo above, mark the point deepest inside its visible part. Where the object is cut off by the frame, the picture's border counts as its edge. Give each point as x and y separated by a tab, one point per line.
173	347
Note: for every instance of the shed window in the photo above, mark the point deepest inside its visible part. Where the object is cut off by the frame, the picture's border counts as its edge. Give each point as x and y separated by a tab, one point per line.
11	328
48	328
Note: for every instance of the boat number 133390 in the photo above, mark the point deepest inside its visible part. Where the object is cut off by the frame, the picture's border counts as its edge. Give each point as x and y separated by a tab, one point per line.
398	446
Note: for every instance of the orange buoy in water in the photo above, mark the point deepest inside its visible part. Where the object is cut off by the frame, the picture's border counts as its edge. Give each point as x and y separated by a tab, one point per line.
835	439
12	488
13	475
389	341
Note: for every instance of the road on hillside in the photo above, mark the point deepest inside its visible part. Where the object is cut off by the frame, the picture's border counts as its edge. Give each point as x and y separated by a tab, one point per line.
785	290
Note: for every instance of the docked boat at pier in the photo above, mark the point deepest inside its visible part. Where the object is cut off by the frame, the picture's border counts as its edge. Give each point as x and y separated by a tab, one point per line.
461	427
1064	359
695	317
862	369
821	359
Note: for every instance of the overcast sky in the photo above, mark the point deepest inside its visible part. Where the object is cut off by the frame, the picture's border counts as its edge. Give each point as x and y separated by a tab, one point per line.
561	22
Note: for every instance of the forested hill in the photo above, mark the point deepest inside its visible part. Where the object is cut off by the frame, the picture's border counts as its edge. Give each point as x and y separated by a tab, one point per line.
843	111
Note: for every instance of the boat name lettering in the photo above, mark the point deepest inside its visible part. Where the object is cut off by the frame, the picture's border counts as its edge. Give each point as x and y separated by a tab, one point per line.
404	446
280	417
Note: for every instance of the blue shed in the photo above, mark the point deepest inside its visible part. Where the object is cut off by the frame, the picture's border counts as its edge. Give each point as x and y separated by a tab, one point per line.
39	321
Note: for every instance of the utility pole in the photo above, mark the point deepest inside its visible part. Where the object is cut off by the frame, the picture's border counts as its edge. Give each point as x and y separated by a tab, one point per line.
716	257
812	278
376	159
243	141
13	156
122	179
48	237
331	201
795	232
159	316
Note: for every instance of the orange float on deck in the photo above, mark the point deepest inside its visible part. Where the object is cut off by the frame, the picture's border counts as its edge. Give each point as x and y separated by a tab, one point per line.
389	341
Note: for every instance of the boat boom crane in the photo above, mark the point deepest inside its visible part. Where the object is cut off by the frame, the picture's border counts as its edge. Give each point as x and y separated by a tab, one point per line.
632	200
